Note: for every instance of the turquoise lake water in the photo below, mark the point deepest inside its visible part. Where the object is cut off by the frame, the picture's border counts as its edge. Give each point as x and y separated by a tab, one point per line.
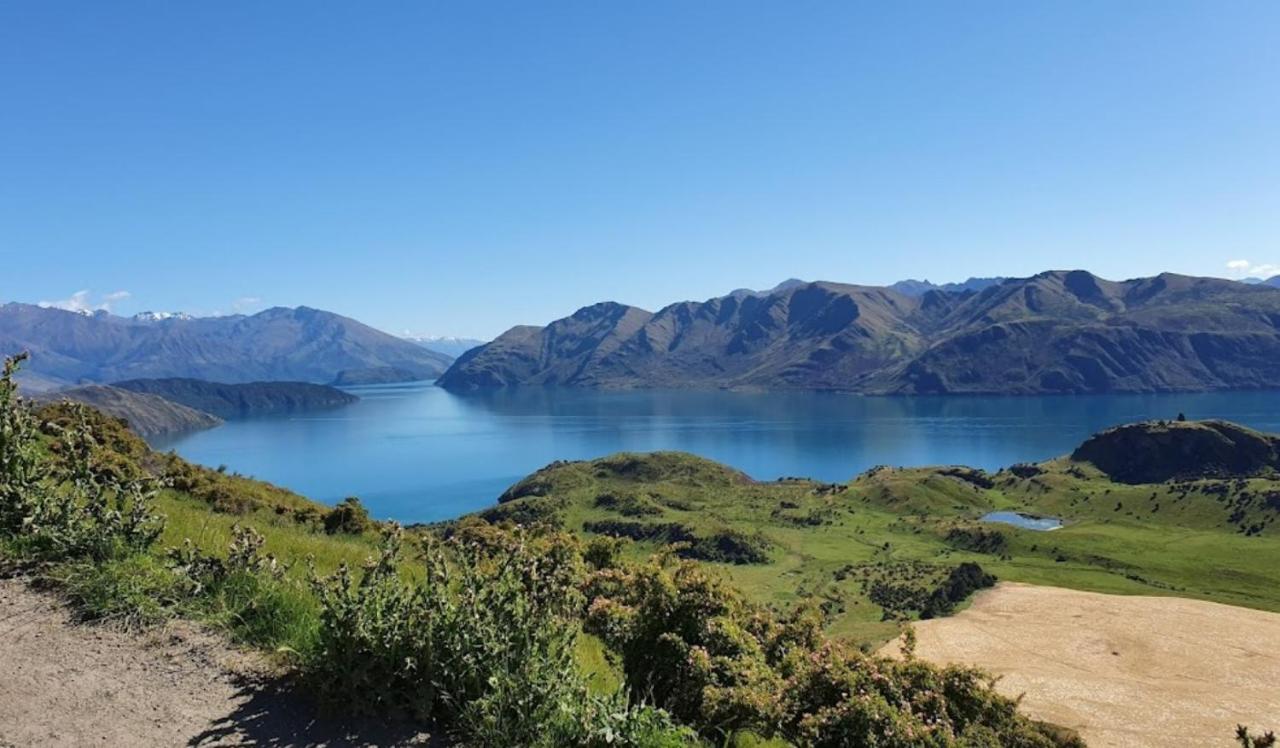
1025	521
418	453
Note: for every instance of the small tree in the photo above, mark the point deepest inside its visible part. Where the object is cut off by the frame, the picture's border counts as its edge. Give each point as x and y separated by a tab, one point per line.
349	517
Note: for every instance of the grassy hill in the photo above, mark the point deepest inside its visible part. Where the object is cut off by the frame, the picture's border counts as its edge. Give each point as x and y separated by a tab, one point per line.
1211	536
149	414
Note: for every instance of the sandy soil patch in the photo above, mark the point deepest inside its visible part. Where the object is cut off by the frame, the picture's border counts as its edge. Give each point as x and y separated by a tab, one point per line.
68	684
1123	670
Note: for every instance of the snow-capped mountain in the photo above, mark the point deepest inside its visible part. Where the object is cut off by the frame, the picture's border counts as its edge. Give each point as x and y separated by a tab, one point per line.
159	316
446	344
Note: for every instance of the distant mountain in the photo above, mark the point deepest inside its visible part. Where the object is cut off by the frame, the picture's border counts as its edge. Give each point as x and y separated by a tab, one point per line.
1059	331
448	345
1273	281
301	344
783	286
920	288
148	415
241	400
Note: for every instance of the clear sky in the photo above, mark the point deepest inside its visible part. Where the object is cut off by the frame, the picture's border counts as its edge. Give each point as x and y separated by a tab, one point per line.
456	168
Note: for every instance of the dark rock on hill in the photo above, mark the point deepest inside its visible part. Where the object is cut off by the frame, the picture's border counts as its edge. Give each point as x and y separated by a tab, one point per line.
1157	451
1055	332
276	344
240	400
148	415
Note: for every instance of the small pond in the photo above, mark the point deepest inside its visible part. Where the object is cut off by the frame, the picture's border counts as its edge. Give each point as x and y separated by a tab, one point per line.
1025	521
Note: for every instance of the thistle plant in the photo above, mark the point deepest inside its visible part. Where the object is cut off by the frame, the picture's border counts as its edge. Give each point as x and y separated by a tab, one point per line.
83	510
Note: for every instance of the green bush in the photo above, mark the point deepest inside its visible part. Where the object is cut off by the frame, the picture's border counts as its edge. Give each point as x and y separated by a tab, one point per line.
348	517
478	640
93	506
720	664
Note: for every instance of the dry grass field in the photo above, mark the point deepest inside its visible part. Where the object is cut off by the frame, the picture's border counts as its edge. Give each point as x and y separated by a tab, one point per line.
1123	670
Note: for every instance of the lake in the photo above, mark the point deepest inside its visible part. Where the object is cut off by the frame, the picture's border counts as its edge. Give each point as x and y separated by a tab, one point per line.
417	453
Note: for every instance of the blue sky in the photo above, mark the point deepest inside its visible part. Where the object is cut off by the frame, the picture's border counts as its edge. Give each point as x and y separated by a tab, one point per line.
456	168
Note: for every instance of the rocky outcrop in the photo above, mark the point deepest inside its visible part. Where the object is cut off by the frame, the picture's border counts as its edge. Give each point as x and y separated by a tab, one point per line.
1157	451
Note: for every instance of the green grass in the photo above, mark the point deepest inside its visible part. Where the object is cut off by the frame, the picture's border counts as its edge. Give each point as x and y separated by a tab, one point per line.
1187	539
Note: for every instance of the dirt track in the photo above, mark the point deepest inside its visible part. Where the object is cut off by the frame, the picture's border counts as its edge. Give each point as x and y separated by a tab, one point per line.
1124	671
65	684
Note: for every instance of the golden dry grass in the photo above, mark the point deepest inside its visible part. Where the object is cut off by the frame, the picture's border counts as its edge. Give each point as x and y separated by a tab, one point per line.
1123	670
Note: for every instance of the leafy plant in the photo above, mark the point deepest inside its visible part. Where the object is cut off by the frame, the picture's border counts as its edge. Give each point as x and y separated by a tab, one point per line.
88	508
349	517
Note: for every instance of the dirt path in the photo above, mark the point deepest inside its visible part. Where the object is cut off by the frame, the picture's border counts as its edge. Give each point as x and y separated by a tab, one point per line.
1123	670
65	684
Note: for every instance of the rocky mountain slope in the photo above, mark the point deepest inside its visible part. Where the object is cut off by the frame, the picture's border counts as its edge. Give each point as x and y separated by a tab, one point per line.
276	344
240	400
1056	332
147	414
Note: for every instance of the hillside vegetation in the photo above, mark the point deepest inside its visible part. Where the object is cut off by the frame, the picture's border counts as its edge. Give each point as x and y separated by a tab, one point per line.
876	550
1055	332
240	400
148	414
496	635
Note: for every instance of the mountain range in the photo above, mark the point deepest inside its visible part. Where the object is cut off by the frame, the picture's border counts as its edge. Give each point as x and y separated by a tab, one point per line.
447	344
301	344
1055	332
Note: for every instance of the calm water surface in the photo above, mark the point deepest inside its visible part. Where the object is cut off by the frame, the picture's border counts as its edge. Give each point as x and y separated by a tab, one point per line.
418	453
1025	521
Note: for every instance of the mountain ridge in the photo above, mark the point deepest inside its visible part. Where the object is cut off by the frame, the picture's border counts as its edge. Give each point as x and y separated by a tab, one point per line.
1064	331
280	343
149	415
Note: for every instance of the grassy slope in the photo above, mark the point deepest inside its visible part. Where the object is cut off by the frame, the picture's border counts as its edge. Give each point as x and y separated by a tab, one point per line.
1171	538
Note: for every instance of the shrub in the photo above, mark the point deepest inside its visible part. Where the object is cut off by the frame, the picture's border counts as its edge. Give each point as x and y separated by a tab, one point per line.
482	645
94	505
22	472
730	547
963	581
978	539
348	517
1247	739
628	505
720	664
